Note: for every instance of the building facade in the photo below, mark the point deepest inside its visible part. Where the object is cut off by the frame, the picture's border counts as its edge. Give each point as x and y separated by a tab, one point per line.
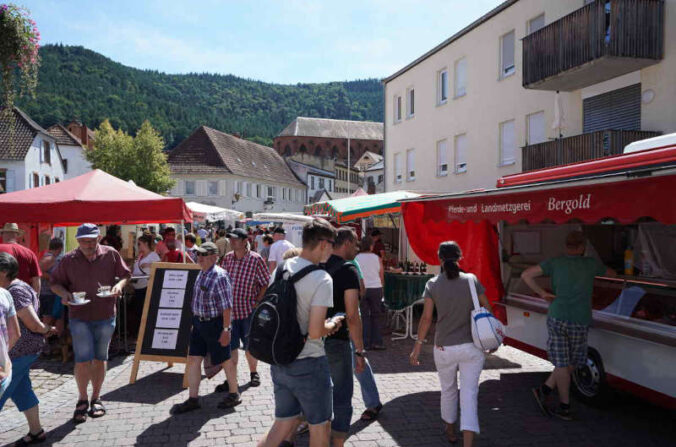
374	178
315	179
29	156
72	151
219	169
497	98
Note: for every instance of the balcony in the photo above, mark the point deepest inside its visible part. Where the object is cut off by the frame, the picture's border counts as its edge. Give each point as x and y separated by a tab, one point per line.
587	146
593	44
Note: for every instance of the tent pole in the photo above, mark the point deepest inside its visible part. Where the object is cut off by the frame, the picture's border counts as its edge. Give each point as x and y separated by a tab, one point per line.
183	239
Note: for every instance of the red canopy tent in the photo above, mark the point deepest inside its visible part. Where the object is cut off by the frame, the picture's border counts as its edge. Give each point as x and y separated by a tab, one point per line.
96	197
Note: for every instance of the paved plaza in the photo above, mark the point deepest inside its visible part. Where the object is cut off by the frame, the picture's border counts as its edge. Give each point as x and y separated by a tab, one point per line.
139	414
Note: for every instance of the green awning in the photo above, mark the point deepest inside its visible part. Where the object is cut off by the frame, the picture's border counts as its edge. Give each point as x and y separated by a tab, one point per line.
351	208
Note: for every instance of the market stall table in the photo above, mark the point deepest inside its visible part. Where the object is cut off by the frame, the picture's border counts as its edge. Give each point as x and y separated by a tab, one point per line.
402	291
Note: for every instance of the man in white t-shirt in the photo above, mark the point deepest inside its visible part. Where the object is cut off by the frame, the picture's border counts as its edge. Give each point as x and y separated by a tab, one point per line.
278	249
294	394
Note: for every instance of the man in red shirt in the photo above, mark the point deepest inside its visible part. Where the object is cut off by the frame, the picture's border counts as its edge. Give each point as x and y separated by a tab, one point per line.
29	269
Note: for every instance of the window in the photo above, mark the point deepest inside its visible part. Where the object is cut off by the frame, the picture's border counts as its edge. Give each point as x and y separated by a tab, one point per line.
312	182
460	80
283	193
507	143
189	187
410	165
65	166
212	188
381	177
46	152
397	108
536	128
3	181
442	158
36	180
507	66
258	191
460	153
442	86
47	180
249	187
238	187
536	23
397	168
56	180
321	183
201	188
410	103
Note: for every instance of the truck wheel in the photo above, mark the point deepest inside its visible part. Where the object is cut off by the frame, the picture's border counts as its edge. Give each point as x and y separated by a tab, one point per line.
589	380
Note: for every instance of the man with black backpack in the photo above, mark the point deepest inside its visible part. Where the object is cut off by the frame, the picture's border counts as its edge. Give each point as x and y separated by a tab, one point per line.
338	348
303	385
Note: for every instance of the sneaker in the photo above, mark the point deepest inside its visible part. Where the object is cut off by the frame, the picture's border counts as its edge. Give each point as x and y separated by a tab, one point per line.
189	405
230	401
255	379
563	413
222	388
541	400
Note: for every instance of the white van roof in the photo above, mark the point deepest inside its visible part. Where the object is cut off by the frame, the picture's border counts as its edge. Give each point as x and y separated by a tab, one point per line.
651	143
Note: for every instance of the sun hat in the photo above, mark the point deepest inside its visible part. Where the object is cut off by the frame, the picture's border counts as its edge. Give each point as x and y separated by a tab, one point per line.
11	228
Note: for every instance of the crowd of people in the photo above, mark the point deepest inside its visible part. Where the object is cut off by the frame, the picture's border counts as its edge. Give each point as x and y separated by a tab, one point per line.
338	281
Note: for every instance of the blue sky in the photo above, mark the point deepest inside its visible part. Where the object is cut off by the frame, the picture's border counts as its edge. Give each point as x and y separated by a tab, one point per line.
283	41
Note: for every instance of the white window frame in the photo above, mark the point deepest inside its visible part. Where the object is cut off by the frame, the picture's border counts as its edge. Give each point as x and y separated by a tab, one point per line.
410	165
410	102
506	72
209	184
398	173
459	90
460	164
194	186
442	84
505	161
529	25
396	118
442	158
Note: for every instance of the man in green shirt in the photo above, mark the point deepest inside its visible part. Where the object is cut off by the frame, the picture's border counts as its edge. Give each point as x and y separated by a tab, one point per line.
568	317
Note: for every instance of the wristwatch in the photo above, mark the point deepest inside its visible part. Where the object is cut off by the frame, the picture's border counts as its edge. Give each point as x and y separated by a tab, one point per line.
361	353
228	329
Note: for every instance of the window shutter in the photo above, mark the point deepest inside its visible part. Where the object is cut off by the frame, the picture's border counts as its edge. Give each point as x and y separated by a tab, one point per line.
508	53
460	77
536	23
442	157
507	142
461	153
617	110
410	164
536	128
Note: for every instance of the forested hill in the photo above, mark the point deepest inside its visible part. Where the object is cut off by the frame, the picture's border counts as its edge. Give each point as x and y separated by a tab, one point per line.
76	83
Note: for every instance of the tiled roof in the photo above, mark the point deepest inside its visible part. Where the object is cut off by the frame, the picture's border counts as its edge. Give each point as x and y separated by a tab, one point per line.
376	166
328	128
209	151
373	155
313	169
63	136
25	131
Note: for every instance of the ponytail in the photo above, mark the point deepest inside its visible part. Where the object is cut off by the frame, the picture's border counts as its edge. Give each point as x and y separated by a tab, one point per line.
450	267
449	255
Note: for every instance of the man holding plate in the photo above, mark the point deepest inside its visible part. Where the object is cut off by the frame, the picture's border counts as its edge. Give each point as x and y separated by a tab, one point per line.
89	279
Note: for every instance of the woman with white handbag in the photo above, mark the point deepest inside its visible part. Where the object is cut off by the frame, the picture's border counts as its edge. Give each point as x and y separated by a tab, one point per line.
454	350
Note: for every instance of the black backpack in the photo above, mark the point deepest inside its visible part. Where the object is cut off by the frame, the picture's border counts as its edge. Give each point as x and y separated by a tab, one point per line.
275	336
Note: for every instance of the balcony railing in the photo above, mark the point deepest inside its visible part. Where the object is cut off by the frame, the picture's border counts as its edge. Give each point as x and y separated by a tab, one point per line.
583	147
620	36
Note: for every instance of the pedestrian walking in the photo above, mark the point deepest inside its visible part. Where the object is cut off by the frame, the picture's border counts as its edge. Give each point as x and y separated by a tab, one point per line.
449	293
26	350
9	329
211	327
249	276
304	385
92	321
568	316
278	248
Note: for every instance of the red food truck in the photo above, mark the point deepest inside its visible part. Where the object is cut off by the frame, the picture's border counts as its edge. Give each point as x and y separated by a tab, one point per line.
626	206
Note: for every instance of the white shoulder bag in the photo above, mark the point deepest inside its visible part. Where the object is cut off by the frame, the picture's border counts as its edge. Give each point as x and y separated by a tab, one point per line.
487	331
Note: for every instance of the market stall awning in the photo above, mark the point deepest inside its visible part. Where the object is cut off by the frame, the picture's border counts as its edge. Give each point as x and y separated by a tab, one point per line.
92	197
351	208
202	212
282	217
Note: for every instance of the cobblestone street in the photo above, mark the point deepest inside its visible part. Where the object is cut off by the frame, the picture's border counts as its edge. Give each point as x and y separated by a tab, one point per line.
139	414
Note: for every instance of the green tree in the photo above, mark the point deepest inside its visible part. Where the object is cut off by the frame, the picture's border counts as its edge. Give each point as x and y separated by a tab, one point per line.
139	158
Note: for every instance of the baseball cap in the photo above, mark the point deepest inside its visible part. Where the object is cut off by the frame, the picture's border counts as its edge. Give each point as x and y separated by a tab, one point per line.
207	248
238	233
87	231
280	230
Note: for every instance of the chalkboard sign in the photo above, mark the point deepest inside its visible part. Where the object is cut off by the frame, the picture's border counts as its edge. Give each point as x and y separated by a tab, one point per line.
164	334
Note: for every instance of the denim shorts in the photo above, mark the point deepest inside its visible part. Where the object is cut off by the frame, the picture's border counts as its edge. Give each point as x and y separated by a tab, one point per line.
240	331
91	339
204	339
303	386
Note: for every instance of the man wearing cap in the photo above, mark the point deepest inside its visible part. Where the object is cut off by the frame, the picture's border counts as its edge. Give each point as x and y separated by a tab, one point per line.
278	249
211	329
29	268
250	276
92	323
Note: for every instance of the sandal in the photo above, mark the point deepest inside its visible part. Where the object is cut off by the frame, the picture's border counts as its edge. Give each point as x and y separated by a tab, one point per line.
97	409
231	400
303	427
32	438
222	388
80	414
255	379
371	414
189	405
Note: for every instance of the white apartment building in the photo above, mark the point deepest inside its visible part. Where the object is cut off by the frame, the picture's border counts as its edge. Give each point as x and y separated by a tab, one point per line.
73	152
484	103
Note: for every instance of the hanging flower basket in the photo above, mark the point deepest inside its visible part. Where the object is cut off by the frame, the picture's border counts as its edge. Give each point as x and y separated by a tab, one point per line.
19	58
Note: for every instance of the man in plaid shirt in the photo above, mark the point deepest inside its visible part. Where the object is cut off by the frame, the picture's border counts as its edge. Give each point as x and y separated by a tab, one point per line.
250	277
211	307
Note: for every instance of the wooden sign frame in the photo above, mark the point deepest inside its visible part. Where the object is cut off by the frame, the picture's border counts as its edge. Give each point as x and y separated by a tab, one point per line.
138	355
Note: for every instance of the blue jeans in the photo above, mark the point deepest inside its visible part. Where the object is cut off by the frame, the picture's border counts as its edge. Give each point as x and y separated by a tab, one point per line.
91	339
339	353
367	383
20	388
303	386
371	312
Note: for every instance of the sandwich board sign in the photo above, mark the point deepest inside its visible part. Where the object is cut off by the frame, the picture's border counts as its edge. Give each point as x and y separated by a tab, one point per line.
164	333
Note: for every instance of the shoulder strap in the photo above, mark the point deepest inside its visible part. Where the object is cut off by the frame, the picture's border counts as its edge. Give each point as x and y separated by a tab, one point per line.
302	273
472	290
